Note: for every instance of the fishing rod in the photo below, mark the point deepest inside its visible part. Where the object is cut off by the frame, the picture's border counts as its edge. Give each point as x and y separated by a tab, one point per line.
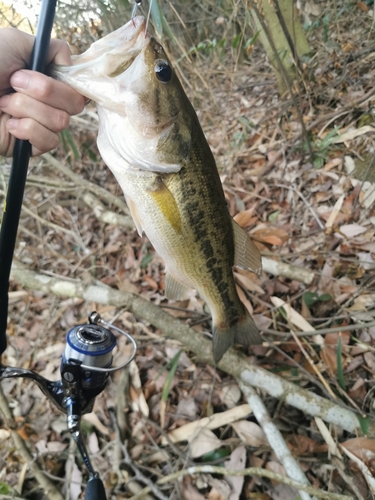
87	359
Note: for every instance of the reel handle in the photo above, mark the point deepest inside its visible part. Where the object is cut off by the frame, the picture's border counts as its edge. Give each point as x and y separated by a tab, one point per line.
95	489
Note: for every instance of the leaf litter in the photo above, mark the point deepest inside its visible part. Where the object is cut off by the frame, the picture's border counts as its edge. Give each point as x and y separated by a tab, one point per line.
317	214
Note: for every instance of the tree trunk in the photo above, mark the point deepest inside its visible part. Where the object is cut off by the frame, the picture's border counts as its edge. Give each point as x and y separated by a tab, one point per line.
280	18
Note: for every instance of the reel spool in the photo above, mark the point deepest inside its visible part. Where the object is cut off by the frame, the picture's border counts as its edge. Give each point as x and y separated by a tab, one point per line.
90	347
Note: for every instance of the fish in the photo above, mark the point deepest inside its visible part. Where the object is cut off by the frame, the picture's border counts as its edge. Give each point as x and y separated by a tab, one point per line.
151	139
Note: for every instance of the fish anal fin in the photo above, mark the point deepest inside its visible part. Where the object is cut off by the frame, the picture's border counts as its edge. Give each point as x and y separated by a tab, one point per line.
167	204
135	215
246	254
175	289
245	332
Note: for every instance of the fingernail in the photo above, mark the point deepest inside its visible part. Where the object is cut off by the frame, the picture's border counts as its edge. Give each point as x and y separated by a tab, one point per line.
4	101
12	123
20	80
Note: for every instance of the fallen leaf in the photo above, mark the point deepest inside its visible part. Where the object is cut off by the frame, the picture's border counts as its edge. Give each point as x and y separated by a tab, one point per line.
237	461
93	419
335	212
244	218
275	467
75	479
352	230
273	236
190	493
250	433
203	442
359	445
4	434
301	445
370	480
358	391
231	394
187	431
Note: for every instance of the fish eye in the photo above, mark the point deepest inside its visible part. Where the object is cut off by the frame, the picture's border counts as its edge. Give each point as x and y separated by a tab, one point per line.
163	71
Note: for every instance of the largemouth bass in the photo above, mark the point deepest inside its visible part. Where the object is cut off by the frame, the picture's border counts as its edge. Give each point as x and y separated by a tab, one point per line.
151	139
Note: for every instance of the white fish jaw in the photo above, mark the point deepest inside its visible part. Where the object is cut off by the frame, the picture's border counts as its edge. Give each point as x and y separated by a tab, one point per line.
101	73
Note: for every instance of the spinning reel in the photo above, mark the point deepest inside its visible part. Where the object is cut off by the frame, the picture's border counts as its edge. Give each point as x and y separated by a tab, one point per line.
85	367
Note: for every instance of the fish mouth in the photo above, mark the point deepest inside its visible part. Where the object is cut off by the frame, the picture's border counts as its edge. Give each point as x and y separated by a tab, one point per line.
91	72
114	44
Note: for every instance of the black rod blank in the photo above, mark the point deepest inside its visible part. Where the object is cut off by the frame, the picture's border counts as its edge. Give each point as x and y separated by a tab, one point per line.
18	173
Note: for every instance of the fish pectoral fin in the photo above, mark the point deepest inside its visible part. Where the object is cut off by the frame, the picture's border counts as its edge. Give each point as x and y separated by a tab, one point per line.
135	215
174	144
164	199
174	288
246	253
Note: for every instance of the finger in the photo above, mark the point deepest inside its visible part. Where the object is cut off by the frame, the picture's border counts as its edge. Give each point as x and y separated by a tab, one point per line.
59	52
47	90
39	136
22	106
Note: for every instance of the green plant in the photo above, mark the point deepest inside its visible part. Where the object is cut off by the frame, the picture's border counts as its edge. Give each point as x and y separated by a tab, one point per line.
320	147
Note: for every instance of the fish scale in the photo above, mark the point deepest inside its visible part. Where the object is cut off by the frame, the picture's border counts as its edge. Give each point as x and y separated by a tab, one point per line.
151	139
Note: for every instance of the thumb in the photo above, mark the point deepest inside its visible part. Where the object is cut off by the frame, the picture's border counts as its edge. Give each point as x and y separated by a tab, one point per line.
59	53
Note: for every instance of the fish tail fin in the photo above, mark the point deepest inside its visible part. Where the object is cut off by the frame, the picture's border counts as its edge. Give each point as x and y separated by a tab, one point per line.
243	332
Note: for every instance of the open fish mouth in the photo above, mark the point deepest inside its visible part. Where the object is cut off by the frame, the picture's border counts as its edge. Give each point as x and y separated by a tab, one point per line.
98	71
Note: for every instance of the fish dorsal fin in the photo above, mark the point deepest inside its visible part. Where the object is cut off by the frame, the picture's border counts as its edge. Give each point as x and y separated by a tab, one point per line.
174	288
167	204
135	215
246	254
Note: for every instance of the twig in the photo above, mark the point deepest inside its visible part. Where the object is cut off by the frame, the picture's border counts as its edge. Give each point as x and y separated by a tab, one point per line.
313	365
232	362
336	329
278	268
275	438
138	475
251	471
99	191
48	487
106	216
304	199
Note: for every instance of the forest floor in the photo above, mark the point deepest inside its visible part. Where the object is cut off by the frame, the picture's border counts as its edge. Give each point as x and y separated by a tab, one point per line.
306	199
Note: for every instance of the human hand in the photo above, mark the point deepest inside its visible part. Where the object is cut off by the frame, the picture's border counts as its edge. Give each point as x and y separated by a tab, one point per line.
41	106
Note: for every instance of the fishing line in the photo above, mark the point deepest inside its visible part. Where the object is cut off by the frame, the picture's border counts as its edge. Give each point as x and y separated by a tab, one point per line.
137	4
148	15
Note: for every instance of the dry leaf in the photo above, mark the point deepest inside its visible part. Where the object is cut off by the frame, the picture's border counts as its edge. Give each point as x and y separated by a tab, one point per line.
273	236
231	394
358	391
245	217
237	461
362	6
352	230
370	480
203	442
246	302
186	432
190	493
93	419
332	446
4	434
360	446
296	319
304	446
247	282
275	467
250	433
335	212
